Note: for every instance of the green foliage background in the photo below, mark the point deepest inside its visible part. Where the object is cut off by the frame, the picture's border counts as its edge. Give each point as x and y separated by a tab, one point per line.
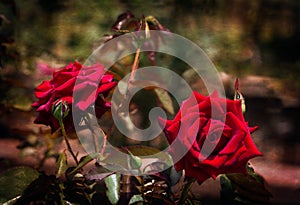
239	36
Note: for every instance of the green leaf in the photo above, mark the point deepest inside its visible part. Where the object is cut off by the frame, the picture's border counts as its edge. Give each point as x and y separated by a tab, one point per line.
248	185
45	189
85	160
140	150
147	152
147	30
227	195
98	173
136	198
135	161
165	99
151	155
12	201
174	175
247	188
61	164
14	181
112	183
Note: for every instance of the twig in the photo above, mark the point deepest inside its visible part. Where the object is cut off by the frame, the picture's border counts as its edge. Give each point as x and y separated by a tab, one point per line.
134	68
186	190
105	138
67	141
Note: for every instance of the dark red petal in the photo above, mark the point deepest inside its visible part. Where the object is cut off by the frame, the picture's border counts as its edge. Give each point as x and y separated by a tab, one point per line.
43	90
106	87
215	162
66	86
253	129
239	131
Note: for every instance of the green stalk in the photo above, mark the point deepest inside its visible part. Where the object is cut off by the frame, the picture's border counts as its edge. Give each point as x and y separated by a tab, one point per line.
186	190
67	141
61	195
134	68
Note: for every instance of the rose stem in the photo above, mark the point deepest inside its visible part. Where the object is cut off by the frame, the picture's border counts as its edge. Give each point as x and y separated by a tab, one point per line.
95	142
185	191
93	133
105	138
67	141
134	68
131	77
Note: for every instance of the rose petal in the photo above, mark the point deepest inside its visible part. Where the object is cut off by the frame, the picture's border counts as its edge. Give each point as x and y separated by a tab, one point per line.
223	143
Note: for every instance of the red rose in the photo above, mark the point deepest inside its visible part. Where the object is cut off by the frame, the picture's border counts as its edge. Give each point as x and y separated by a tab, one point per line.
61	87
222	144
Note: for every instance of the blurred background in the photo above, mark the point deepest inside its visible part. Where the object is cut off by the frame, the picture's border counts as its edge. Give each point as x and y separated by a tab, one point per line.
257	41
